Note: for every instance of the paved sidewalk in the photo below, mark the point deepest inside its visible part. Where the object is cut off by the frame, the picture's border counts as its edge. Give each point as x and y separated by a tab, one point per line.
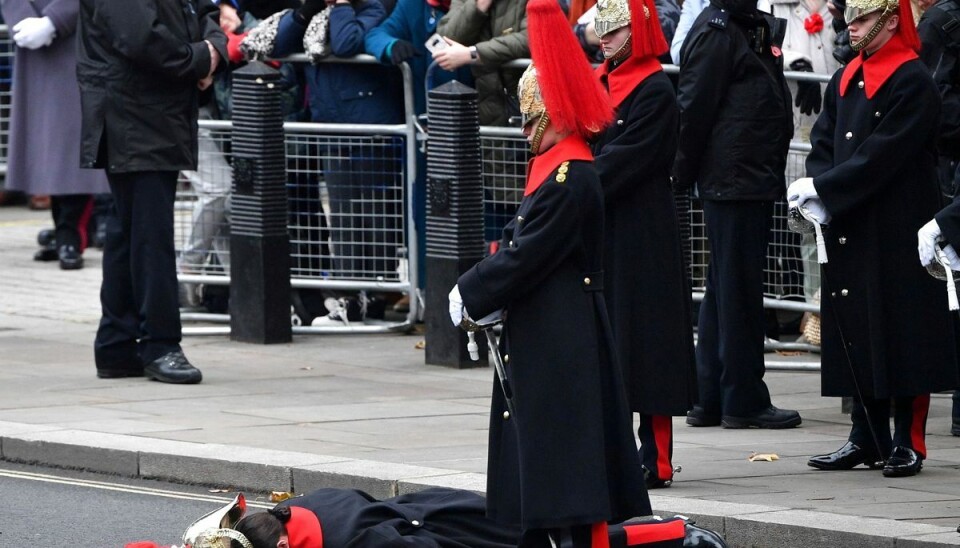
364	411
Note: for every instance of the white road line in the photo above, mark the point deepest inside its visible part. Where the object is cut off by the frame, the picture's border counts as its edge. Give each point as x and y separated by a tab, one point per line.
124	488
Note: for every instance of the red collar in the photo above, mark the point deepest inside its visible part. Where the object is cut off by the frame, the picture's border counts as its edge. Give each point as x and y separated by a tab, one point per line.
303	529
623	79
877	68
572	147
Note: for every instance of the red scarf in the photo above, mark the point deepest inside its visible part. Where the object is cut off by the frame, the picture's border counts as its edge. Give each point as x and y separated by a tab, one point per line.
877	68
625	78
572	147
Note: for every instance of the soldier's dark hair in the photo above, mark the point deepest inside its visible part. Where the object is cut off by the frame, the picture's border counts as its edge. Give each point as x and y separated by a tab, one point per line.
263	530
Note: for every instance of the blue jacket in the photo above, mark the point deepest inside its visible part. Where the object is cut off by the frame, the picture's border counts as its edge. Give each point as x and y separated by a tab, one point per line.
414	21
346	93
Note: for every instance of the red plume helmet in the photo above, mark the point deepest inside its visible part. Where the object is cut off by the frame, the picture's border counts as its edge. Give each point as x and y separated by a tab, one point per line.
907	28
573	97
646	33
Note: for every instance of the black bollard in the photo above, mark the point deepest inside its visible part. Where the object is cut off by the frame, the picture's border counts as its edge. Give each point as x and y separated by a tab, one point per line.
454	217
259	244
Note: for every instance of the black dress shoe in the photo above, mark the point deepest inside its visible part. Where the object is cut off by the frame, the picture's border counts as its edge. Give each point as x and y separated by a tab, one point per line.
845	458
903	462
698	416
47	254
695	536
770	417
70	258
118	372
47	237
173	367
653	482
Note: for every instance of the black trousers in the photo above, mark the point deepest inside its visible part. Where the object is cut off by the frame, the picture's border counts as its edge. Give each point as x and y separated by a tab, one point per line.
71	215
141	314
909	423
731	326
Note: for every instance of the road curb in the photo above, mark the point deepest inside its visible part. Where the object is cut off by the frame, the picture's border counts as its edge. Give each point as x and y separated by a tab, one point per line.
263	470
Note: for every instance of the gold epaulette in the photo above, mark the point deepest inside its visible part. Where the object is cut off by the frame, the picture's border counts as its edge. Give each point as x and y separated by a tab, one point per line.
562	172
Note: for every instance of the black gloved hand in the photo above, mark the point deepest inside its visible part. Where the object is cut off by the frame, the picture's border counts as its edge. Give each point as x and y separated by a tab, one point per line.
401	51
309	9
809	96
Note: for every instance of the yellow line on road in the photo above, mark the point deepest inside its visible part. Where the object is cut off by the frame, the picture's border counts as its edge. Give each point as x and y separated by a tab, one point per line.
24	222
47	478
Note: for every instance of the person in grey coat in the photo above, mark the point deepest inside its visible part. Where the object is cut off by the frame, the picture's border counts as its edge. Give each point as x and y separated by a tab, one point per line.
141	67
45	122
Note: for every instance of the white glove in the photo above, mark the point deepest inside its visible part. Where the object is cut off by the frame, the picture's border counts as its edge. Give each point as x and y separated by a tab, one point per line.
457	311
952	256
927	238
34	32
801	190
817	210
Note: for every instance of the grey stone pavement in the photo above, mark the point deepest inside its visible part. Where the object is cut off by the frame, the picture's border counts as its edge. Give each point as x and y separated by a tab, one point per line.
364	411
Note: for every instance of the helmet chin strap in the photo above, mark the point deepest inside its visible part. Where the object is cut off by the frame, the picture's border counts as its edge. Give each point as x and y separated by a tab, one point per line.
874	31
624	50
538	132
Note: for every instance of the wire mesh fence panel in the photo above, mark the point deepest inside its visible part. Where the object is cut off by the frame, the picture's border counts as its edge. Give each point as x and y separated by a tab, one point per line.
6	92
504	175
346	207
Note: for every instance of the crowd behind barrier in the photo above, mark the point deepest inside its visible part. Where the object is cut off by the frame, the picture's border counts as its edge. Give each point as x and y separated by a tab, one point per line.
392	154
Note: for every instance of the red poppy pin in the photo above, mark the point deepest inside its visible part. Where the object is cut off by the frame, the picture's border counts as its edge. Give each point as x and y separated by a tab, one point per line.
813	24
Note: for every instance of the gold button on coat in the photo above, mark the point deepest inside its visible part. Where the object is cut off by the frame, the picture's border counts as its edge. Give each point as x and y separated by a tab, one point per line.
844	292
843	240
849	135
586	281
860	84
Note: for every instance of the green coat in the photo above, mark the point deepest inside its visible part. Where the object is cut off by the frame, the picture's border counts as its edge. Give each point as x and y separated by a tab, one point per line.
500	36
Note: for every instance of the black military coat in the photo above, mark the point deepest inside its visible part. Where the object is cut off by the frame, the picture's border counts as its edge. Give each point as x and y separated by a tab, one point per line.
873	164
568	455
644	278
939	30
138	64
433	518
736	119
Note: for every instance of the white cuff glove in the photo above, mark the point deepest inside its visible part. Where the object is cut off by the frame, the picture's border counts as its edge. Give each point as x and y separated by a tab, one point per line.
927	238
34	32
952	256
457	311
801	190
817	210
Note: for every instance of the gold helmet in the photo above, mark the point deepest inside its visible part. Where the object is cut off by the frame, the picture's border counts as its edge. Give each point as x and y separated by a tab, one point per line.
611	15
531	99
206	528
220	538
858	8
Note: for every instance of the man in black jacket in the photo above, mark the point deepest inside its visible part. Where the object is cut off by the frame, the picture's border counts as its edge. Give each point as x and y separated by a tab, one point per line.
141	66
735	129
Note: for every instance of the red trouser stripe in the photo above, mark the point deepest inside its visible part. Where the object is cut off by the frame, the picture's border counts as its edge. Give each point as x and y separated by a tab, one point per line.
599	537
648	533
918	424
663	434
84	222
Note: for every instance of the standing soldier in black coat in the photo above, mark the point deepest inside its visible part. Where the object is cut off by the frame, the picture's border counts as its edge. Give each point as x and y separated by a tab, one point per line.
886	331
735	127
939	31
141	66
566	461
644	277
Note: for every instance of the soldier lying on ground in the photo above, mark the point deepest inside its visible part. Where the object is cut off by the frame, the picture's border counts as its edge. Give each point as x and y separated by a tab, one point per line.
433	518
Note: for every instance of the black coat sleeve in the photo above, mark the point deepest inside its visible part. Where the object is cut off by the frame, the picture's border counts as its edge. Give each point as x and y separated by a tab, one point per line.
548	237
646	146
949	220
912	110
705	74
943	64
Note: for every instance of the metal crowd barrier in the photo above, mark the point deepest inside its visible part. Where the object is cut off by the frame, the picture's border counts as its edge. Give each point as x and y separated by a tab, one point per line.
6	76
350	194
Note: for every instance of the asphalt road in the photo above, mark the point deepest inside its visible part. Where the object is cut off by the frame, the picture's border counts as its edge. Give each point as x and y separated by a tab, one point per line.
51	508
